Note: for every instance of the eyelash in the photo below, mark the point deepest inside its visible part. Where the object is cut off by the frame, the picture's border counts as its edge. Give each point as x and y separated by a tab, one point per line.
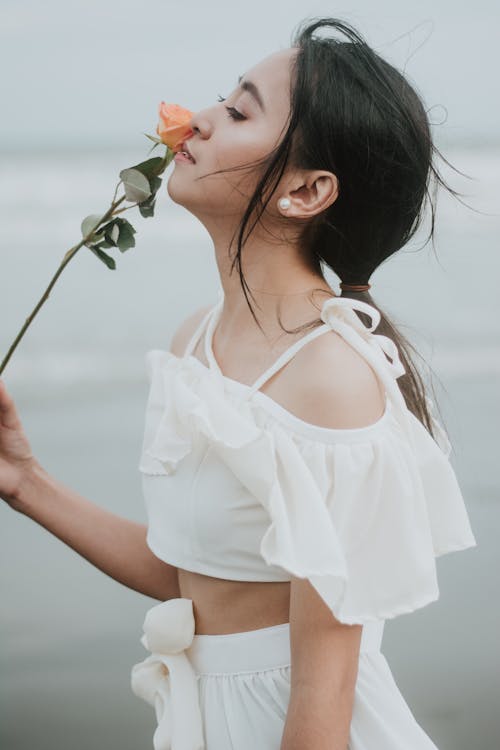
232	112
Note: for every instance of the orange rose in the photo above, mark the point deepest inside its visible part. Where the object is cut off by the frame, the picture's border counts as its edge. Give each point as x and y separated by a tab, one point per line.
173	127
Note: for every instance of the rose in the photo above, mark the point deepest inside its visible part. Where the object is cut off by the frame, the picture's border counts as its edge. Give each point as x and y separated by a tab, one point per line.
173	127
141	183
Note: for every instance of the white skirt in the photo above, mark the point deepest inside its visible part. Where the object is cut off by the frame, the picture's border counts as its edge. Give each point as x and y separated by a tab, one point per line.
231	692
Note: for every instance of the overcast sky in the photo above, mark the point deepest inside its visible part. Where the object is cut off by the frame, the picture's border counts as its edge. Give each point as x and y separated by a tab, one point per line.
93	72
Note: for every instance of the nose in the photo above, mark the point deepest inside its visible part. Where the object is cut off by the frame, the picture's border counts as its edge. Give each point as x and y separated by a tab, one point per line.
201	124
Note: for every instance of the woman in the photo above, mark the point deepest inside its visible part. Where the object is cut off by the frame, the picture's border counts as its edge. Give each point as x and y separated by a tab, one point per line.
298	489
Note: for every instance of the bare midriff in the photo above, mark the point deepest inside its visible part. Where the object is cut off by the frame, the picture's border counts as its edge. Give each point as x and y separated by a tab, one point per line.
222	606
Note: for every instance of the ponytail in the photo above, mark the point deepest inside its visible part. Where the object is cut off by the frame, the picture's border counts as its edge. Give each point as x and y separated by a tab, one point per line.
411	383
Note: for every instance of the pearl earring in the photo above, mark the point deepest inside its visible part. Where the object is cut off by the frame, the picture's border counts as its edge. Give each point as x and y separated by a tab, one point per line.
284	203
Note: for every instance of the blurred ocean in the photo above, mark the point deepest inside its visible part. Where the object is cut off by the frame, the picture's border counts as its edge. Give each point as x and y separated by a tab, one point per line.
70	634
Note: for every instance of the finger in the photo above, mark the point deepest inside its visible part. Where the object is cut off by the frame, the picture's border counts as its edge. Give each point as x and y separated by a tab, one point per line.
8	412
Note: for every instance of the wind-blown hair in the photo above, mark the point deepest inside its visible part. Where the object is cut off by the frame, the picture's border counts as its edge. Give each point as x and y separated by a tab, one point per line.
354	114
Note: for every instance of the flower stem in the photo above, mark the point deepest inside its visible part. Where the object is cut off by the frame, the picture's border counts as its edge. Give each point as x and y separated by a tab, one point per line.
68	256
125	209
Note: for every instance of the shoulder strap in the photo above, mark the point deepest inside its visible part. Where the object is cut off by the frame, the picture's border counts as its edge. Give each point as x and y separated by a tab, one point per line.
198	332
284	358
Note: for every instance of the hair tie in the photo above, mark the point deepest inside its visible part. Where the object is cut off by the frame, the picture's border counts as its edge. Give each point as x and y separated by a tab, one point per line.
354	287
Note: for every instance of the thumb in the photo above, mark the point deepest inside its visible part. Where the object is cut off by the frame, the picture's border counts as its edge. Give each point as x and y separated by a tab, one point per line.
8	412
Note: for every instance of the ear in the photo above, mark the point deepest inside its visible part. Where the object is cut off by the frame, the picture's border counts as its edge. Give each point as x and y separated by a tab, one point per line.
314	192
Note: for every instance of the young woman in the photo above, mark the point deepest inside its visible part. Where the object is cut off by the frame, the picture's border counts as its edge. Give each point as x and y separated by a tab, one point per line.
298	488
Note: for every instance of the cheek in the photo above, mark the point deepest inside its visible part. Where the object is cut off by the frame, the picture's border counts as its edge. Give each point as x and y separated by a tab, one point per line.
241	147
242	154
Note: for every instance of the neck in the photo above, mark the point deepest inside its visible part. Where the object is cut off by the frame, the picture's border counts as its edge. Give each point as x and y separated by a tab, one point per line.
280	282
279	285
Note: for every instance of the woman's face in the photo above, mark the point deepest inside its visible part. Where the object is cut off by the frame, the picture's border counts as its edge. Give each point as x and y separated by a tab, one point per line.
220	141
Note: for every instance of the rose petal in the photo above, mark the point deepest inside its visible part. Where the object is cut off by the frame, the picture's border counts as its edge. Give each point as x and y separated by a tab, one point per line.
173	126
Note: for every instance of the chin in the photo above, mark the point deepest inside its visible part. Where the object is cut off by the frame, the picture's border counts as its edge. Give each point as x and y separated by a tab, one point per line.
182	194
176	192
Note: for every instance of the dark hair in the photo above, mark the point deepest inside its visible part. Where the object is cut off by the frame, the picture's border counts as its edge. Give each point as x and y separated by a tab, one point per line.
354	114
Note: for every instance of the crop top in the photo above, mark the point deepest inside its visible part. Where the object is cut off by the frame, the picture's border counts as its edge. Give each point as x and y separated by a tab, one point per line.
237	487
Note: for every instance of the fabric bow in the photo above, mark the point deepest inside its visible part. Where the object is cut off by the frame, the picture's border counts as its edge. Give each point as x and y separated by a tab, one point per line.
341	310
380	351
166	678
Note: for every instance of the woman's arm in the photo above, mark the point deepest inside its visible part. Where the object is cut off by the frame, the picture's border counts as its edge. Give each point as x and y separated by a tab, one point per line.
324	657
344	393
115	545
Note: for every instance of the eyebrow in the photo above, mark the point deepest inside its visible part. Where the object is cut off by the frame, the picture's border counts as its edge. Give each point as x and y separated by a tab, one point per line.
253	90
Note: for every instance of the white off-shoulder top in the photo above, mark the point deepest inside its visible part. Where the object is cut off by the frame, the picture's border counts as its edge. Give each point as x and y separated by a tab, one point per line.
237	487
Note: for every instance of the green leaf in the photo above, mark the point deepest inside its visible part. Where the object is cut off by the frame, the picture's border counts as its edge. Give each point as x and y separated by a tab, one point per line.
154	184
153	138
150	167
168	157
106	259
89	223
103	235
147	208
135	184
115	233
111	233
126	237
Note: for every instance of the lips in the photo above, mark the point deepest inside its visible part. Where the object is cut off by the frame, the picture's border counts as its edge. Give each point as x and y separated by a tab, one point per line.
186	149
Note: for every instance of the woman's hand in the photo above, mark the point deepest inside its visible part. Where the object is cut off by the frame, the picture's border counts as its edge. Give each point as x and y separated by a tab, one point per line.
16	457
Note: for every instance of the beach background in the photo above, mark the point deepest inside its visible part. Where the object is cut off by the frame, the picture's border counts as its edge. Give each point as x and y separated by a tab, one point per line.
70	635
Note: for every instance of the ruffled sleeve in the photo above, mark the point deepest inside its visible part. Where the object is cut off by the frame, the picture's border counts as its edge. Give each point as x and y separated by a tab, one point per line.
364	516
364	519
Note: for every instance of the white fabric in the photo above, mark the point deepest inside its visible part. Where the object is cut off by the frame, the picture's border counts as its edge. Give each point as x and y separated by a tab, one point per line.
166	679
237	487
243	690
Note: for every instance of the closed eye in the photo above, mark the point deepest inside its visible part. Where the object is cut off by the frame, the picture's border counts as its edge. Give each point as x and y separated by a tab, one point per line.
232	112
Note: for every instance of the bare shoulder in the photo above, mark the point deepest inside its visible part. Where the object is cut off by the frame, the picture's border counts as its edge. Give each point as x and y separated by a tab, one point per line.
334	386
186	329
